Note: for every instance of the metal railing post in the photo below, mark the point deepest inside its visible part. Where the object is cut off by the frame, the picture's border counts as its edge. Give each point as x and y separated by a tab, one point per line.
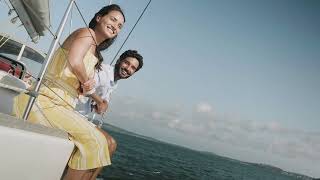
48	59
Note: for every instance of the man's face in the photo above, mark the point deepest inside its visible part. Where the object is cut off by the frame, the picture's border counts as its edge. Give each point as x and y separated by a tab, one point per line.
128	67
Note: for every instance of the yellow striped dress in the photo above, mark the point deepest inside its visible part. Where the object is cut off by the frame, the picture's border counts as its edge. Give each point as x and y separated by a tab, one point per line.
50	110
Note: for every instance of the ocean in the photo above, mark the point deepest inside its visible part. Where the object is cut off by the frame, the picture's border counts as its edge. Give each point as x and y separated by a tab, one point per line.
139	157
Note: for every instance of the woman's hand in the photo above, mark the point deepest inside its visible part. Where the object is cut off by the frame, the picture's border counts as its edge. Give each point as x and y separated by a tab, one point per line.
88	85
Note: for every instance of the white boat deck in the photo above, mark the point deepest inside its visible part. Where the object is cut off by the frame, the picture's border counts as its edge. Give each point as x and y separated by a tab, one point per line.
12	122
30	151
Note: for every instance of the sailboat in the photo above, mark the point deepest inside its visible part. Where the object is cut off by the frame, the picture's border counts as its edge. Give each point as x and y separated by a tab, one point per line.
29	151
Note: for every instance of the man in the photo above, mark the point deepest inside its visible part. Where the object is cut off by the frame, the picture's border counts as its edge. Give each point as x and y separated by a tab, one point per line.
106	81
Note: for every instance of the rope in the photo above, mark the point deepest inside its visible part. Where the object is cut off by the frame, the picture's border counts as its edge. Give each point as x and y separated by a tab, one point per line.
5	41
7	4
59	43
60	47
8	36
60	97
71	13
28	6
100	122
85	23
131	31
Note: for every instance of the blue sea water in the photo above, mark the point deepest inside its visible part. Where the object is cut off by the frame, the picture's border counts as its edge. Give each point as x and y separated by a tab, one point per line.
139	157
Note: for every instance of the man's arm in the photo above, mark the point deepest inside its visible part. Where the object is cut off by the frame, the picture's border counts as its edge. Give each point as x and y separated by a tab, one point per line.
102	101
102	105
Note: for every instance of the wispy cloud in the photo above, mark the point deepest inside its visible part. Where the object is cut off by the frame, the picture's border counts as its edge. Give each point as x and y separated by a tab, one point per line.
202	122
204	107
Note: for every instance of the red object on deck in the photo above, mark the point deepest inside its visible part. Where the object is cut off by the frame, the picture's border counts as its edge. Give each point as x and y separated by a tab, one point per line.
11	67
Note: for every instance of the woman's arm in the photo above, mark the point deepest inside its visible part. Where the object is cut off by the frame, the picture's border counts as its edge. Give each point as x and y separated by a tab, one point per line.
81	42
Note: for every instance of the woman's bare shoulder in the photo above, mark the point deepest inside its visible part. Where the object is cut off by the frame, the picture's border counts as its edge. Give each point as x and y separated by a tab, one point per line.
85	33
82	36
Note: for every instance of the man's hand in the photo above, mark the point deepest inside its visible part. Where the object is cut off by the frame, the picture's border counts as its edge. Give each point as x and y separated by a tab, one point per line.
101	107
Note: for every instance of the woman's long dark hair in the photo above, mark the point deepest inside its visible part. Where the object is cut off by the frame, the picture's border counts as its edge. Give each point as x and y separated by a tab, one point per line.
106	43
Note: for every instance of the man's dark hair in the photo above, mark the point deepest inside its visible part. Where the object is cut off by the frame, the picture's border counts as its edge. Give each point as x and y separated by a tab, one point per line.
133	54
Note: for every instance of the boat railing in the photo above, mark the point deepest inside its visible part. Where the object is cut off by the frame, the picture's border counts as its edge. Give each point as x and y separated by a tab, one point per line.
45	151
36	78
40	20
54	44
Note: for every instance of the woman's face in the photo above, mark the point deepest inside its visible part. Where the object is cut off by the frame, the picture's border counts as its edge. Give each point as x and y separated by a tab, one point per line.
110	24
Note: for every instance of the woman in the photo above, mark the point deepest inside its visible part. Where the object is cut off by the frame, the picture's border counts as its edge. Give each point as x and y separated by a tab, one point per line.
69	73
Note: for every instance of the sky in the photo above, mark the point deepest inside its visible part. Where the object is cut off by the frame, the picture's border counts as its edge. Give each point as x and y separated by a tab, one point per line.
237	78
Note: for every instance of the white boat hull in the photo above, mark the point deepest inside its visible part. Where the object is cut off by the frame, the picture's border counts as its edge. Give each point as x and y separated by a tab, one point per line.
32	152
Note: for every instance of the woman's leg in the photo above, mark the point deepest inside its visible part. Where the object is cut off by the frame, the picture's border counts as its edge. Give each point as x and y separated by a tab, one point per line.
73	174
96	173
92	142
92	147
112	144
